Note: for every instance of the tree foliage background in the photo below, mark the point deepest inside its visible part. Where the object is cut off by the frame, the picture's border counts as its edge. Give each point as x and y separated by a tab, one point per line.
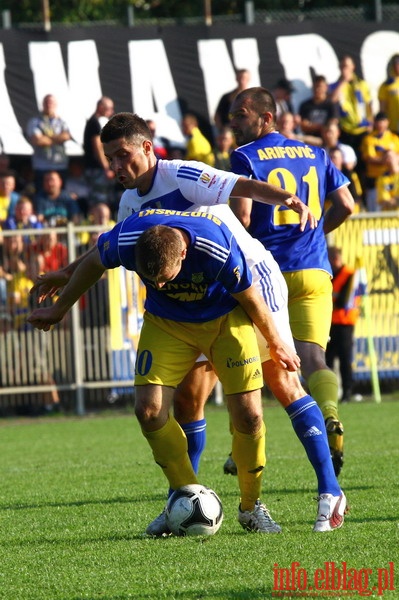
76	11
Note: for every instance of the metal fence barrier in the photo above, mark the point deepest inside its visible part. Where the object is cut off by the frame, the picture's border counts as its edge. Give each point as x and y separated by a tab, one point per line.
80	363
87	361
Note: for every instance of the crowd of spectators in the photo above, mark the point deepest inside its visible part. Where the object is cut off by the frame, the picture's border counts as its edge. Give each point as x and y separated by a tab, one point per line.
82	189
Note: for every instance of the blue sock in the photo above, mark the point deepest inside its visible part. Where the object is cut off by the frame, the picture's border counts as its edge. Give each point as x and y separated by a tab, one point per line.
308	423
196	439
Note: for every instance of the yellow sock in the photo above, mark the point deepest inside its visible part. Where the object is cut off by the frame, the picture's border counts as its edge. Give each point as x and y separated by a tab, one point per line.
169	447
249	454
323	387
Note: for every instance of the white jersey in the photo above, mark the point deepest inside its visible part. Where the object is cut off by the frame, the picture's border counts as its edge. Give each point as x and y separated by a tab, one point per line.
193	186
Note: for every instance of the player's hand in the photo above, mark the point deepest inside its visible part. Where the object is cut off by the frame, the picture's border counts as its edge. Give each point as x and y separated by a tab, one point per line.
45	318
305	215
285	356
48	284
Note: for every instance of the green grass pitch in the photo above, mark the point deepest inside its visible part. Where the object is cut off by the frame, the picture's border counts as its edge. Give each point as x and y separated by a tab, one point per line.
77	493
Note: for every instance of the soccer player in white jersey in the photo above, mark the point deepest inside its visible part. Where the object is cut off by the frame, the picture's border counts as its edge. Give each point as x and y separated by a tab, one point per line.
192	186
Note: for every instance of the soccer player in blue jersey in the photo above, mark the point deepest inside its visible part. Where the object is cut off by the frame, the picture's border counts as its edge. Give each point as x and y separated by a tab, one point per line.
194	186
306	171
200	299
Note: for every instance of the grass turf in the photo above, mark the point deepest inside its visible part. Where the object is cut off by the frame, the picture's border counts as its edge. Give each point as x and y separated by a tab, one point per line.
77	493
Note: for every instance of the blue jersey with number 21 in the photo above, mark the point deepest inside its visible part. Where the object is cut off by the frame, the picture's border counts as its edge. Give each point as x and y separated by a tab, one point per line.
303	170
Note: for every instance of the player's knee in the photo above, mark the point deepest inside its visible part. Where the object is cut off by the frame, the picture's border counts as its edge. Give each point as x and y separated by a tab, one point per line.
147	414
312	361
248	422
287	390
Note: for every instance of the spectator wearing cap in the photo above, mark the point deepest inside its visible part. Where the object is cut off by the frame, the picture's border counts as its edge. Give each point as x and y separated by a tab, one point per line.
380	153
388	94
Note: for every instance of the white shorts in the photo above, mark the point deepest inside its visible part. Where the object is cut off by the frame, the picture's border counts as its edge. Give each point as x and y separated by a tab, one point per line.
271	285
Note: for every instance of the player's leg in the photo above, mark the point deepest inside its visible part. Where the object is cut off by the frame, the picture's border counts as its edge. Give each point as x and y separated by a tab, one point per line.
308	424
235	356
323	387
332	348
310	310
162	362
189	401
165	436
345	356
307	421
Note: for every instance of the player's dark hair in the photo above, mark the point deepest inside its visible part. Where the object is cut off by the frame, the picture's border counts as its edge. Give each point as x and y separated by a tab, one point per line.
157	249
261	99
125	125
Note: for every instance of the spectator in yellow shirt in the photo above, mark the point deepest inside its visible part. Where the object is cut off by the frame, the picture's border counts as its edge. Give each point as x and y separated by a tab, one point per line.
353	97
380	152
198	147
388	94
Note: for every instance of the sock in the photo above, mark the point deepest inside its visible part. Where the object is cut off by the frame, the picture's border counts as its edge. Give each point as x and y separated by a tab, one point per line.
323	387
169	447
249	454
308	423
196	439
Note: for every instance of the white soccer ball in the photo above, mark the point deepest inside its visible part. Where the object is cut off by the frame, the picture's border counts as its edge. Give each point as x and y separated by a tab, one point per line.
194	510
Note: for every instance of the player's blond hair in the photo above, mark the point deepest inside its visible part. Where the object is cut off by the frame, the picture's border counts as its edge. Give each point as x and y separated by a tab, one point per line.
157	250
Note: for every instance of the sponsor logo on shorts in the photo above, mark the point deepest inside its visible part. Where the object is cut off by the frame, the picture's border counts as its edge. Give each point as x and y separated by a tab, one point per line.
257	374
231	363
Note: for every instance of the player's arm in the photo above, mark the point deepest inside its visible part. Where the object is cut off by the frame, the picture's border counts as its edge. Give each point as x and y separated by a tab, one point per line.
242	207
85	275
47	285
260	314
260	191
342	206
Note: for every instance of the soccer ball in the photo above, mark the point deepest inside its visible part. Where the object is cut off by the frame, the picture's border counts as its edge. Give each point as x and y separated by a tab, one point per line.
194	510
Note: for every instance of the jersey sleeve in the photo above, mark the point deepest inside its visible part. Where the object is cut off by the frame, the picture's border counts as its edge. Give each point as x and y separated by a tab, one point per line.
235	274
203	185
107	245
240	163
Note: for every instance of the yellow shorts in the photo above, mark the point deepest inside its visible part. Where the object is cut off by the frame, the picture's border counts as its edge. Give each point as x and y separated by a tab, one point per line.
310	305
167	350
